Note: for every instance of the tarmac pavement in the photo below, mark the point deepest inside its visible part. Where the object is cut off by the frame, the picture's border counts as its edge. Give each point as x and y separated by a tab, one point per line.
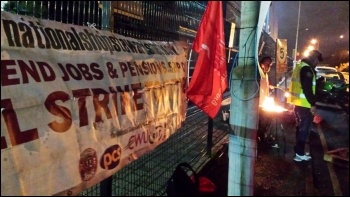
277	174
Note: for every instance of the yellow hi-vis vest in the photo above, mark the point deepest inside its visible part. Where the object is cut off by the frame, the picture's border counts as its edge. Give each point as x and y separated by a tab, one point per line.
297	96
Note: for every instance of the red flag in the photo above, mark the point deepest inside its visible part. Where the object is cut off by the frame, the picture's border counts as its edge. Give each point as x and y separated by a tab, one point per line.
209	79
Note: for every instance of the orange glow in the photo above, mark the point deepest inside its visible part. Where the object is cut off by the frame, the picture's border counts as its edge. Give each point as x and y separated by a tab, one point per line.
286	94
269	105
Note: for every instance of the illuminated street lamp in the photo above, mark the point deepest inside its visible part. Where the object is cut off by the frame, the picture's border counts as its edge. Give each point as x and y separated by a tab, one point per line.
296	38
310	48
315	43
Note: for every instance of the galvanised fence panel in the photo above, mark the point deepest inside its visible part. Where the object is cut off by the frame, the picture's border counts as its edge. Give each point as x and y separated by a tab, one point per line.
80	13
157	20
151	20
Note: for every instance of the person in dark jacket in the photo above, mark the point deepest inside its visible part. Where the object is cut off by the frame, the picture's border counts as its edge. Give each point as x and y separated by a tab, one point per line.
303	96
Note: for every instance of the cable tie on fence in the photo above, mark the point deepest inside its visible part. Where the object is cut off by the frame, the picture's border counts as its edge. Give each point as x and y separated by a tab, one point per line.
91	25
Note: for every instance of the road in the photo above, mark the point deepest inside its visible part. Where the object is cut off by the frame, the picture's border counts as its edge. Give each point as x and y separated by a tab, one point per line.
330	174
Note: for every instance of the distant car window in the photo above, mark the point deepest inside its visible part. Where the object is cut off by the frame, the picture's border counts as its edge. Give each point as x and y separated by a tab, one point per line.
325	69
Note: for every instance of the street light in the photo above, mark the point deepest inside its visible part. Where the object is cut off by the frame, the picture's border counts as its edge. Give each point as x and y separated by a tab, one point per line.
306	53
311	47
315	43
296	39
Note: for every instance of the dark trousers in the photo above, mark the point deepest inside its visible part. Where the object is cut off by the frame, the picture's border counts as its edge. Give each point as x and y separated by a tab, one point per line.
265	119
304	120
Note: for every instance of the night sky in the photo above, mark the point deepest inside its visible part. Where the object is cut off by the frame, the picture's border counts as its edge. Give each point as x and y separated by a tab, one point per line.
323	20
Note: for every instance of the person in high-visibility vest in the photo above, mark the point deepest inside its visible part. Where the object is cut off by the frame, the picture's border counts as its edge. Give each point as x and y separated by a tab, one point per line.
302	90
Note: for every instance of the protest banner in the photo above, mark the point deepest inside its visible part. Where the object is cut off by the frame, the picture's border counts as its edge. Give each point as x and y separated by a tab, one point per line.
78	104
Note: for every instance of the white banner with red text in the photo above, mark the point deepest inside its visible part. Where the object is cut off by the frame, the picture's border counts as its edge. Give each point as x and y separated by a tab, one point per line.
78	104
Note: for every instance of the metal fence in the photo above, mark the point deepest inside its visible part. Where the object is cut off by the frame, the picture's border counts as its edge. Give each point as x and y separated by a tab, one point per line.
151	20
70	12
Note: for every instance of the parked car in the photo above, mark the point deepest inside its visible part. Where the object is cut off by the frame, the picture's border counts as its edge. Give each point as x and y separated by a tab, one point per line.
346	77
345	73
330	74
330	93
326	72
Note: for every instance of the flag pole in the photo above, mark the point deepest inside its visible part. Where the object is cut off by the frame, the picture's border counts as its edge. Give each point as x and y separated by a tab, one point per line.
209	78
210	135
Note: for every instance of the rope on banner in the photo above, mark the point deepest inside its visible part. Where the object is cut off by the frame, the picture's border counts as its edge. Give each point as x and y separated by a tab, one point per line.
91	25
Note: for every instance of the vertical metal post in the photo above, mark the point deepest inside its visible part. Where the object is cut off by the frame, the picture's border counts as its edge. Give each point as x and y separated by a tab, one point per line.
285	81
106	187
106	14
210	136
189	67
296	39
244	104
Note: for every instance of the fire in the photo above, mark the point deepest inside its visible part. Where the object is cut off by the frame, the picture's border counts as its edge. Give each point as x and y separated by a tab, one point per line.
269	105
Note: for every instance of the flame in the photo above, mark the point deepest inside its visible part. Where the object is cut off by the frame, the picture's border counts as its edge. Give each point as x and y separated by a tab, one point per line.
269	105
286	94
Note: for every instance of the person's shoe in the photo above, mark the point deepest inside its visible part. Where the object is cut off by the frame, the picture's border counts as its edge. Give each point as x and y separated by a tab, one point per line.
301	157
275	146
307	153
